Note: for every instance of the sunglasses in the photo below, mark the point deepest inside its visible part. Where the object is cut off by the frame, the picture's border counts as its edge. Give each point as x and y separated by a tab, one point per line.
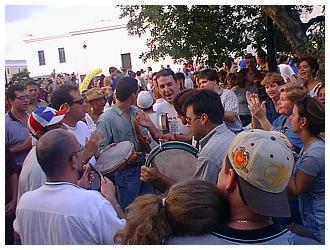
22	98
80	102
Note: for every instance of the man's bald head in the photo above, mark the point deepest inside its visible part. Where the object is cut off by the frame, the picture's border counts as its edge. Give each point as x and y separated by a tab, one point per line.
54	149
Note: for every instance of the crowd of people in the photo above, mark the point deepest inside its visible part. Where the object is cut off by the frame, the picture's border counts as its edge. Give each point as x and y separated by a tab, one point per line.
256	139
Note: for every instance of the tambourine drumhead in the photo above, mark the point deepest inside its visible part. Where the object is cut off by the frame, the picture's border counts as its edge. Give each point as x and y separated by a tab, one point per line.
113	157
177	160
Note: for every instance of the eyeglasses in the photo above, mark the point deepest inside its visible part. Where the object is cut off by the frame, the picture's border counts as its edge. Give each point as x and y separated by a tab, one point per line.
81	148
22	98
190	121
80	102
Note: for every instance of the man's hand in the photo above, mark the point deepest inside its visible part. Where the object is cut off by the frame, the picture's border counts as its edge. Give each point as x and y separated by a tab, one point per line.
85	181
11	207
108	190
151	174
143	119
133	157
26	145
168	137
92	145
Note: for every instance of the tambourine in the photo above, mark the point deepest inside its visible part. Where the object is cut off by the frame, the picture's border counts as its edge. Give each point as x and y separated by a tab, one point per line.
114	158
177	160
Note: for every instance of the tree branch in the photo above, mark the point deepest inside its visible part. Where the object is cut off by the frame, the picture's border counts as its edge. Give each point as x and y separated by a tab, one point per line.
318	19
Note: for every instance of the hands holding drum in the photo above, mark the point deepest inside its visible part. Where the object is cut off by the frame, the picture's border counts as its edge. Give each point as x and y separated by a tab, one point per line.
150	174
108	190
85	181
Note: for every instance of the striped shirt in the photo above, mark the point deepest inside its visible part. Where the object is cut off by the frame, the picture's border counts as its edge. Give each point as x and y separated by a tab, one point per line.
230	104
212	151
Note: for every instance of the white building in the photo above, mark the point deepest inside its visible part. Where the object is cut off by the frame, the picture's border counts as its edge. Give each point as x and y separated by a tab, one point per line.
13	67
84	50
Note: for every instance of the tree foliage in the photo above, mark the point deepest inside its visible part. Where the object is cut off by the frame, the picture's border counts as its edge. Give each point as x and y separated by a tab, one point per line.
304	38
211	33
21	77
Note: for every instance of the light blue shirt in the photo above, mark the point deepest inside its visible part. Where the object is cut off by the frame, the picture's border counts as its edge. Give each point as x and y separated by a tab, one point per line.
294	138
115	127
213	149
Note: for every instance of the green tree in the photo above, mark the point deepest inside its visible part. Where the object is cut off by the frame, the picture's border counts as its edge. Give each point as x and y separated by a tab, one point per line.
21	77
304	38
211	33
201	32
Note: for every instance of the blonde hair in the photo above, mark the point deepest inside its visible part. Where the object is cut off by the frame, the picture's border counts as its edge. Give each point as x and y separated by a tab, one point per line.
191	208
273	77
294	92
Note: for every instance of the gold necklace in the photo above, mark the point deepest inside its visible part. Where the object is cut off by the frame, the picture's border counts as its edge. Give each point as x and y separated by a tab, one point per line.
268	221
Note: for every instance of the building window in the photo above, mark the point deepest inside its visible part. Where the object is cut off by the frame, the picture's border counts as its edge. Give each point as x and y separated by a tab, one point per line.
41	56
126	61
19	69
8	71
61	55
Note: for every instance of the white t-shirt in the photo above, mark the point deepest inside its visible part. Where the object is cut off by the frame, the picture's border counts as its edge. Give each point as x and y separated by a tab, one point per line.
188	83
32	176
81	132
286	71
63	213
313	92
229	102
90	123
156	104
175	124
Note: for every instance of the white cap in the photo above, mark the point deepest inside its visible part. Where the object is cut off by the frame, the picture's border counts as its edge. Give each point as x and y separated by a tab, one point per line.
145	100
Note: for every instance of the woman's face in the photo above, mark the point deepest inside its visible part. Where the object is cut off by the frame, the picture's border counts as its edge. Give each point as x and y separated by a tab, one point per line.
305	71
272	90
285	106
231	83
321	95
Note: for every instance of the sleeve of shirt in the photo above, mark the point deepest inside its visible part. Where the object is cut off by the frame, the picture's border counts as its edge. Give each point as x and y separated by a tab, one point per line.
312	164
230	102
108	224
291	72
207	171
7	135
105	132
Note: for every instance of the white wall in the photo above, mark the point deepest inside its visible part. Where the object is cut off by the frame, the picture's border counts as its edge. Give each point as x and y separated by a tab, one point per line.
103	50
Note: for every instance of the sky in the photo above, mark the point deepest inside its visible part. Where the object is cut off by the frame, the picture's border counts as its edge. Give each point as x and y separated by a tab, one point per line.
44	18
24	20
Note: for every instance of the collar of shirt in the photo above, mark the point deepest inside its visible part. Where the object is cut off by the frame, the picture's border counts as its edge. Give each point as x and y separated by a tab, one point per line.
218	129
13	117
58	183
119	111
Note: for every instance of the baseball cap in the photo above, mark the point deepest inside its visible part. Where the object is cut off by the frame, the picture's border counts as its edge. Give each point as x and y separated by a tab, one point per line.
144	100
264	164
93	94
44	116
